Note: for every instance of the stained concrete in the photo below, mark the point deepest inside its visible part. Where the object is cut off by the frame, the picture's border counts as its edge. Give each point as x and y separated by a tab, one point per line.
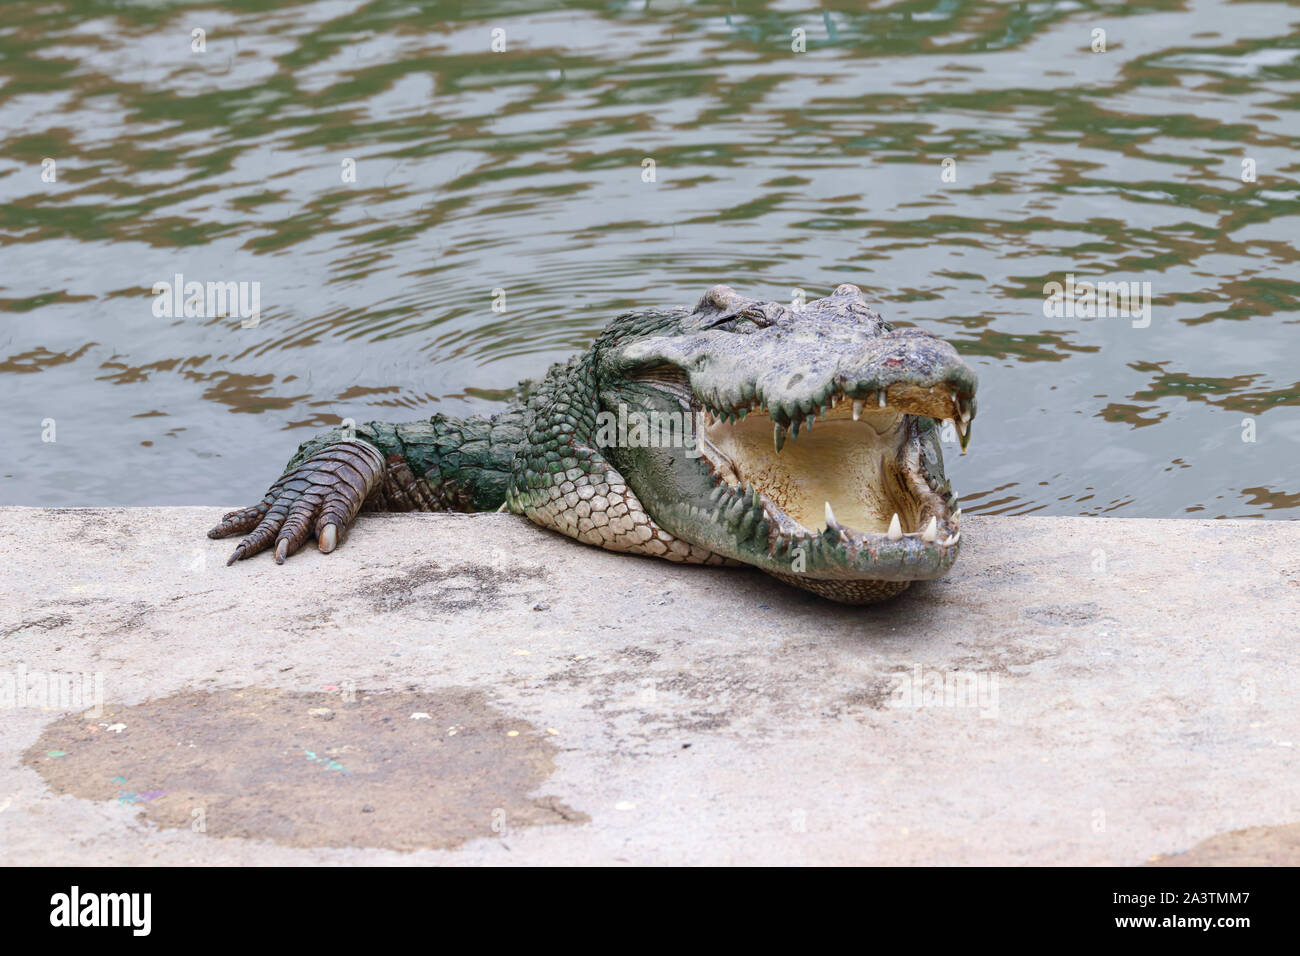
1078	690
404	771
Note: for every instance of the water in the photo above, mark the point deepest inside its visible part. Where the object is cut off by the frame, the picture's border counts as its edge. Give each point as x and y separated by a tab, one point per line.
522	171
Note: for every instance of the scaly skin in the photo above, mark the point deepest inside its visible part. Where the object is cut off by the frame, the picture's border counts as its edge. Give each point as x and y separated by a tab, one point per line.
554	457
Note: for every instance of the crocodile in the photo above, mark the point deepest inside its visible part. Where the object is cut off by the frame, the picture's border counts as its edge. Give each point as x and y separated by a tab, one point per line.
686	434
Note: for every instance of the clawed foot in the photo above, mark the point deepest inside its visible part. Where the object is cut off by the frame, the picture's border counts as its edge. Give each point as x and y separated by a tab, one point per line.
321	497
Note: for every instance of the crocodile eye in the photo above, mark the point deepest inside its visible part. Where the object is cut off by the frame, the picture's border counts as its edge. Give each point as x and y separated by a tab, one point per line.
735	321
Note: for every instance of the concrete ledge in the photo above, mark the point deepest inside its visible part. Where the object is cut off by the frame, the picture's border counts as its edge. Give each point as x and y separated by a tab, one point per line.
471	689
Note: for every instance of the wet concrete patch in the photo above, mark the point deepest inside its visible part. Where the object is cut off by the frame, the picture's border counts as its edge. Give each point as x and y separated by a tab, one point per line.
403	771
1256	846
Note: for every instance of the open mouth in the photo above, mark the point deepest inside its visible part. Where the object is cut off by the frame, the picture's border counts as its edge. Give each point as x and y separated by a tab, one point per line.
845	476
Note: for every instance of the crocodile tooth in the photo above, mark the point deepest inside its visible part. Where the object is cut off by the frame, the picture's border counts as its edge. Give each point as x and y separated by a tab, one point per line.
883	392
895	528
931	531
778	436
956	516
963	431
858	406
794	429
830	518
952	540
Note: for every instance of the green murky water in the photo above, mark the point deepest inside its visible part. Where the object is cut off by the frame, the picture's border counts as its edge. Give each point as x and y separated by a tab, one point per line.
522	170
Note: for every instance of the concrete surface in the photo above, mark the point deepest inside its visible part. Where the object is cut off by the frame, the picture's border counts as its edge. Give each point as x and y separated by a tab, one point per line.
471	689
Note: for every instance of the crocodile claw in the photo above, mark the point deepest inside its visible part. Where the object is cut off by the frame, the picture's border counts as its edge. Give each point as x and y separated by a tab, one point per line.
328	539
319	497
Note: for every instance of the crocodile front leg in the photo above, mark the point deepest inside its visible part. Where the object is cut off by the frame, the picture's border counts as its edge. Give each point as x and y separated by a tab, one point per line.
321	496
443	464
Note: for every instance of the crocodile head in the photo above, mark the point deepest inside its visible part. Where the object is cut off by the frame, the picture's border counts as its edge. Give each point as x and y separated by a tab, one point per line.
810	447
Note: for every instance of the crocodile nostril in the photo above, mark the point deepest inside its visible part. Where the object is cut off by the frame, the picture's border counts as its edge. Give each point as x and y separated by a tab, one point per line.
795	379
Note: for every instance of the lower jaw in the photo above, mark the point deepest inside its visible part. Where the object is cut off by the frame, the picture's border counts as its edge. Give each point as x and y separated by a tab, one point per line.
823	566
845	591
862	566
847	565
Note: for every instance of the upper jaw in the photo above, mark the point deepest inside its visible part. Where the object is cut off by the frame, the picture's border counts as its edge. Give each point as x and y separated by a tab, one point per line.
793	376
951	402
